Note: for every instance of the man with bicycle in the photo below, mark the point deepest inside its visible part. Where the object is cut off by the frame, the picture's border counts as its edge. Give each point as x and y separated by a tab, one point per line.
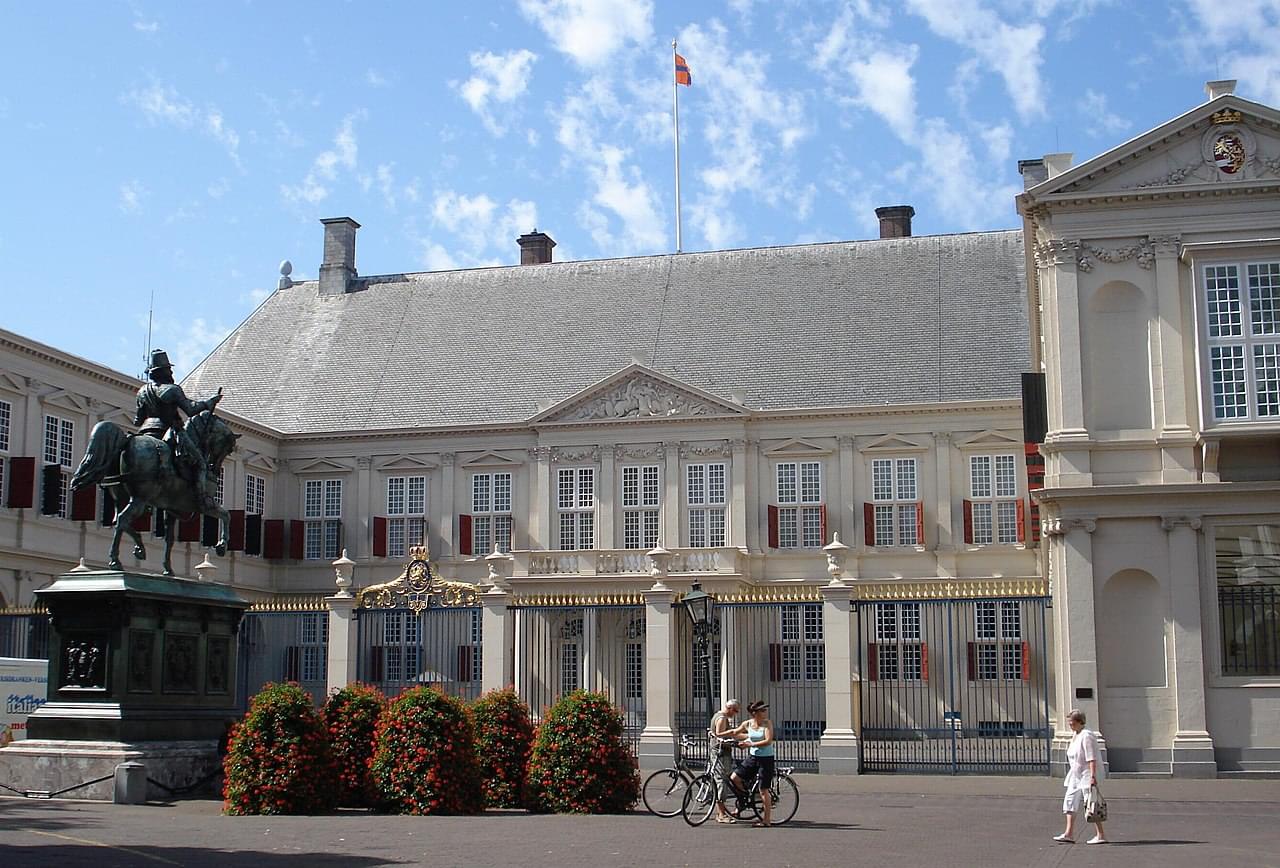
720	743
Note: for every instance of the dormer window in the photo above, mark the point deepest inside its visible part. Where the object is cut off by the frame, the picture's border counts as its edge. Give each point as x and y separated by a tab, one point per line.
1240	302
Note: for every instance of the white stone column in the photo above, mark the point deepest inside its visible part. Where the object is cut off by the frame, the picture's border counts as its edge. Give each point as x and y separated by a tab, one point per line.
847	509
496	634
540	500
739	504
838	748
1193	755
446	508
343	642
657	742
671	497
1066	301
755	496
1177	450
607	499
358	542
590	665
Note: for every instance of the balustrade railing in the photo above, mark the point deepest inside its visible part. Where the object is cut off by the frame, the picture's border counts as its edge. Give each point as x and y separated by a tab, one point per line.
624	562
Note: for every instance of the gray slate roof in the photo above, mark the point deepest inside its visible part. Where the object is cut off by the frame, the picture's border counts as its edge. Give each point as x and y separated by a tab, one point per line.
902	321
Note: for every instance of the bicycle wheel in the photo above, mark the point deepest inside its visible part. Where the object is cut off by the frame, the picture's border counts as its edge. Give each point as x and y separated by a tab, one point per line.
786	798
699	801
663	792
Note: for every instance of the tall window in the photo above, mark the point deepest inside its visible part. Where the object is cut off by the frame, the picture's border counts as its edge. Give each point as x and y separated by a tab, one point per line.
1247	557
406	513
635	671
899	652
896	502
255	494
576	507
800	508
401	646
1242	321
313	639
59	444
993	507
641	506
803	651
222	479
705	492
475	657
322	515
999	652
571	632
490	512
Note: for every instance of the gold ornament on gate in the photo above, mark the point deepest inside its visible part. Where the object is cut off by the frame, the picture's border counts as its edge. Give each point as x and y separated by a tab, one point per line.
418	588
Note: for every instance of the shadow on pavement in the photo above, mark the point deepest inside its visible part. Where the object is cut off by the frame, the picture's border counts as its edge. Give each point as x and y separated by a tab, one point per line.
1153	842
89	856
809	824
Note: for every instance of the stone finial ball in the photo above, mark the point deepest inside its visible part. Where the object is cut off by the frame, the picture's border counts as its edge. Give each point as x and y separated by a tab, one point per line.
286	268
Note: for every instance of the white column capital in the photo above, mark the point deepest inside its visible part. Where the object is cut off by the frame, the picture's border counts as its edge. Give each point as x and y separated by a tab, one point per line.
1172	522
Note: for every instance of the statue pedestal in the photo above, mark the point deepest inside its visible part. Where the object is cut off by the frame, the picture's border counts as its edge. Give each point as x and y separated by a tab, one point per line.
141	667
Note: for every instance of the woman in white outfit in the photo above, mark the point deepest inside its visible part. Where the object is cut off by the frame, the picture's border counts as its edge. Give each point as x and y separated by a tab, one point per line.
1084	770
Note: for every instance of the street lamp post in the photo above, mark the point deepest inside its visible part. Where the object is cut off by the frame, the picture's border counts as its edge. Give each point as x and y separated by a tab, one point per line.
700	607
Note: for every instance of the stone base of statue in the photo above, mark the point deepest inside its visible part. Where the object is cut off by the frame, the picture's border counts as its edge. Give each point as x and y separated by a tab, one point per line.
141	668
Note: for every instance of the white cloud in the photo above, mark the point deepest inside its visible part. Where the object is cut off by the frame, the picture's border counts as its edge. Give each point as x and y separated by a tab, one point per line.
147	27
218	188
1102	122
886	86
188	343
1242	39
163	104
315	187
592	31
373	78
481	231
496	78
131	195
1012	51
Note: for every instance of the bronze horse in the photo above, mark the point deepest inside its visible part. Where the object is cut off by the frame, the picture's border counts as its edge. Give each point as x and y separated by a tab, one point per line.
139	469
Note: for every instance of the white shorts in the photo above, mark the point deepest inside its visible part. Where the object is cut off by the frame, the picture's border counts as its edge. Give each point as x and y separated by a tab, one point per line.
1072	801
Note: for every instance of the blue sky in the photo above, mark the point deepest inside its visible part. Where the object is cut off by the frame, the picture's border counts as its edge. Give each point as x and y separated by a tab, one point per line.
185	149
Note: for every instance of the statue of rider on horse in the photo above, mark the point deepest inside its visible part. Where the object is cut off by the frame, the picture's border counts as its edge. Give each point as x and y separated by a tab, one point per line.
168	467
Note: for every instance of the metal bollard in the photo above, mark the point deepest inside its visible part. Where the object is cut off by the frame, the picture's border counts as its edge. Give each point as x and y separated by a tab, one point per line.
131	784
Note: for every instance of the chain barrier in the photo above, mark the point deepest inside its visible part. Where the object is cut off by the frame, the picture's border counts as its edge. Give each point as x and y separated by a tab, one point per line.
45	794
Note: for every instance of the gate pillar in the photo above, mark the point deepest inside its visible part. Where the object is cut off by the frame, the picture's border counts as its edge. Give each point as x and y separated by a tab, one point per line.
342	642
838	748
657	741
496	636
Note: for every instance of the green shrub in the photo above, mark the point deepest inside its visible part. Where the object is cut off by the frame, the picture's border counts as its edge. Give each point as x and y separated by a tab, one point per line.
278	758
580	764
424	759
351	716
504	738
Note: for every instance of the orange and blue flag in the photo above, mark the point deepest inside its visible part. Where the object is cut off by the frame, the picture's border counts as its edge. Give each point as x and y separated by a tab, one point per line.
683	76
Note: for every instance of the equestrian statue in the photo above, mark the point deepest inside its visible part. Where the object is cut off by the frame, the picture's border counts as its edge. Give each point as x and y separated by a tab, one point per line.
169	467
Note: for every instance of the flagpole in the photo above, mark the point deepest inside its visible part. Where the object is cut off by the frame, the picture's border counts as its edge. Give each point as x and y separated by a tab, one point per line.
675	107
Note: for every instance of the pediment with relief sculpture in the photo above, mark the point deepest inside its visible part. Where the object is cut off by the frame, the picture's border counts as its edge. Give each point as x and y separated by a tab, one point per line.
639	393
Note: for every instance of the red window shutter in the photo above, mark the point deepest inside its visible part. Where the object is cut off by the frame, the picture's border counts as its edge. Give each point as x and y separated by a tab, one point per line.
775	661
84	503
253	534
822	517
464	662
189	528
973	662
464	535
108	516
22	483
142	523
235	534
51	489
273	538
293	663
773	526
1022	521
869	524
376	670
1026	660
924	661
297	539
920	522
873	662
379	537
968	522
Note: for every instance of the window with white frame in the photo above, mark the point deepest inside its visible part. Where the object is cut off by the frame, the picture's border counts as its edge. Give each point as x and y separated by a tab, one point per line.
490	512
255	494
322	517
1242	330
999	651
222	479
406	513
570	668
1247	563
313	639
705	495
993	499
899	652
576	507
641	506
895	494
803	648
800	507
635	671
476	656
401	646
59	446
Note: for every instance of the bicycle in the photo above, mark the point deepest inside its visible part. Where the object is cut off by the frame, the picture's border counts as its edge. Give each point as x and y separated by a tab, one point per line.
664	790
700	800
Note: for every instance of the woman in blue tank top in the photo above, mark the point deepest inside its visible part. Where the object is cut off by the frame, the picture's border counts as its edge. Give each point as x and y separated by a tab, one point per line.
756	734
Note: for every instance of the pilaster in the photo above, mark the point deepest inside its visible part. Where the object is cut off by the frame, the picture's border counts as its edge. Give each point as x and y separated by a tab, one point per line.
540	500
740	504
1071	556
846	515
1193	755
1063	257
754	469
446	508
838	748
606	498
358	543
671	498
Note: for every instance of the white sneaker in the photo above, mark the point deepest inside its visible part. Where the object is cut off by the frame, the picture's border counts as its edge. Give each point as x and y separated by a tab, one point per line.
1096	840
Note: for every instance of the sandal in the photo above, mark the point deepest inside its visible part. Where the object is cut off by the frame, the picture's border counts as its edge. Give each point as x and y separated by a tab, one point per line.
760	824
725	819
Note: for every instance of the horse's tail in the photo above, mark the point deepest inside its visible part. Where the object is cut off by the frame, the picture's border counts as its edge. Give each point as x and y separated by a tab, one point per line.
105	444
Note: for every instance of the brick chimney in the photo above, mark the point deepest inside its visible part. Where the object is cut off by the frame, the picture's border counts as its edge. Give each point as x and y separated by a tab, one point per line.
895	221
339	266
535	248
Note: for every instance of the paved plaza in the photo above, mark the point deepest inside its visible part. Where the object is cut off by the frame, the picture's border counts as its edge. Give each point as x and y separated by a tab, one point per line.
869	820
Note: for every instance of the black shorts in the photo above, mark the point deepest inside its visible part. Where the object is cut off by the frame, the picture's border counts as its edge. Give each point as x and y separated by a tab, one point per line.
762	764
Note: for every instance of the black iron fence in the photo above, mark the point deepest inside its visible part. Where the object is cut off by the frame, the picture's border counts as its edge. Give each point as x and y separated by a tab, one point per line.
24	634
437	647
951	686
283	646
1249	616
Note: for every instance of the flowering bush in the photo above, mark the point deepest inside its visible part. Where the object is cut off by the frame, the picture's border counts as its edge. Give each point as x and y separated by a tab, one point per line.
278	758
504	737
351	716
424	759
580	763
